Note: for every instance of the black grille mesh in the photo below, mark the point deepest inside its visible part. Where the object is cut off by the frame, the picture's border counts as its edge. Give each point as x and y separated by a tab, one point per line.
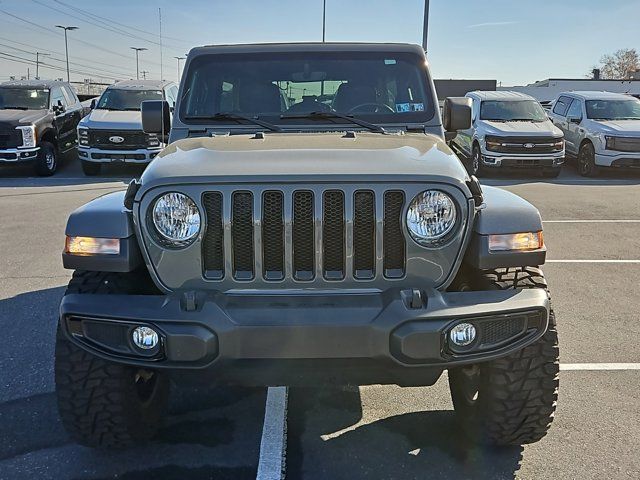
364	235
273	235
213	242
242	235
497	331
333	234
303	235
394	244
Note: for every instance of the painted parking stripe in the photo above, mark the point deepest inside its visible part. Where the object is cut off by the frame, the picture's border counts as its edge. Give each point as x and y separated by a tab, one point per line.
271	465
593	261
599	366
591	221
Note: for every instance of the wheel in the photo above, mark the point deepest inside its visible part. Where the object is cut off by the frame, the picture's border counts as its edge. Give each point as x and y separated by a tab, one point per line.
47	161
587	161
474	165
90	169
104	404
551	172
511	400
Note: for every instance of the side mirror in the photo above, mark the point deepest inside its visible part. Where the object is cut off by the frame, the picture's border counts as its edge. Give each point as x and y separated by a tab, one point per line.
575	120
93	104
156	117
58	108
456	115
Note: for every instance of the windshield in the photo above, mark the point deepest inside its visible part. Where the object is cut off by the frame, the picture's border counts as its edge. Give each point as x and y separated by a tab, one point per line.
613	109
509	111
283	87
24	98
120	99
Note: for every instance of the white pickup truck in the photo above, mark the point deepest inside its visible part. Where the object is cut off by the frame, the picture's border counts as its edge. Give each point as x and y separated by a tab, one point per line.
510	130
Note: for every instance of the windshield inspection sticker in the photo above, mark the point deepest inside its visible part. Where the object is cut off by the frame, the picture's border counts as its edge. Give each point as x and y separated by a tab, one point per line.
409	107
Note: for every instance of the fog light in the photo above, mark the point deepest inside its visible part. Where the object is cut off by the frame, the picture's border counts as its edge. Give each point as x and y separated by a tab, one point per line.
462	334
145	338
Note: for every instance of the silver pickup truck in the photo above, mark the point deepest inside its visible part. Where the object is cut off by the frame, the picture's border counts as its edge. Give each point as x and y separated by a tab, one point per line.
510	130
112	132
601	129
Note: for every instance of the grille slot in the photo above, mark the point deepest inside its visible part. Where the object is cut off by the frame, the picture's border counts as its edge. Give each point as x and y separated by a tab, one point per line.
498	331
303	236
364	234
333	234
242	235
394	243
132	139
213	242
273	235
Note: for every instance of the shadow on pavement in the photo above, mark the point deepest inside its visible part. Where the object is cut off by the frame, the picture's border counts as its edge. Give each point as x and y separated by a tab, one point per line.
418	445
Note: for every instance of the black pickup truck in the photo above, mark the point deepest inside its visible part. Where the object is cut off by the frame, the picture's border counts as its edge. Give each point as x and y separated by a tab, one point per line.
38	121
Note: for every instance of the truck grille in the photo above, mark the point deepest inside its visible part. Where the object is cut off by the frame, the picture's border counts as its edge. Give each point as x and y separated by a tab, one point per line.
277	231
526	145
132	139
625	144
10	137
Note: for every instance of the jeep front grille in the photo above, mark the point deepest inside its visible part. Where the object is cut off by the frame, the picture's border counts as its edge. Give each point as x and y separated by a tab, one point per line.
275	231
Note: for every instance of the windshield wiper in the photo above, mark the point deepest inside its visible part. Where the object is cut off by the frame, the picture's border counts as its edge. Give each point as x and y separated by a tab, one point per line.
371	126
11	107
238	118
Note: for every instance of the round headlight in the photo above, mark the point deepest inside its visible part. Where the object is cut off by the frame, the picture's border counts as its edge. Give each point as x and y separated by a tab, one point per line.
431	216
176	218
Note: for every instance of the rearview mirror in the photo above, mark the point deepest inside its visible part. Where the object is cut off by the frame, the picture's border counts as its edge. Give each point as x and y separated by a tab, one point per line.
155	117
456	115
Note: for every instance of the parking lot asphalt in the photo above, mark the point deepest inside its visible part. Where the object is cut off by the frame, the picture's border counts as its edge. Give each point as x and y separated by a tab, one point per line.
373	431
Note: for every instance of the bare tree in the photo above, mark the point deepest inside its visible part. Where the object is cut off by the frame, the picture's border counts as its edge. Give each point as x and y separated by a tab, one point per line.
619	65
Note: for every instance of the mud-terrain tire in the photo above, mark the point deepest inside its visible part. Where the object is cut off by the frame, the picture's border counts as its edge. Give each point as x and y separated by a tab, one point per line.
511	400
104	404
90	169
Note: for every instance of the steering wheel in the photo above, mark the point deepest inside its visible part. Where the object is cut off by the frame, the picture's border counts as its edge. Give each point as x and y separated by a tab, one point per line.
372	107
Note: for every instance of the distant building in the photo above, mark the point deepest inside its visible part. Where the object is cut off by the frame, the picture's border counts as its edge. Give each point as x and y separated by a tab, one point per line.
459	88
547	90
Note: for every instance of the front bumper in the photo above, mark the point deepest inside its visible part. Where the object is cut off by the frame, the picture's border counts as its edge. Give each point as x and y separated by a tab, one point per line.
395	336
14	155
98	155
504	160
618	159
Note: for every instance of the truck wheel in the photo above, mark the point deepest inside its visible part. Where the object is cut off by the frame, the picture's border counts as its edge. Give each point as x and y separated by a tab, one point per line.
587	161
474	166
511	400
90	169
104	404
47	161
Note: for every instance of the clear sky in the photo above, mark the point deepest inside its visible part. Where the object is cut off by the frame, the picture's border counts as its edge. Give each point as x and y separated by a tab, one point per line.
512	41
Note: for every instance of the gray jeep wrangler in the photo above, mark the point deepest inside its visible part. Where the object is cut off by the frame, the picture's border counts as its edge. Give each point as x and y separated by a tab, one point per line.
306	225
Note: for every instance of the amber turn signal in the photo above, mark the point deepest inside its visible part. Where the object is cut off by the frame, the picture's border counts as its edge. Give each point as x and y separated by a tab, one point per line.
92	246
516	241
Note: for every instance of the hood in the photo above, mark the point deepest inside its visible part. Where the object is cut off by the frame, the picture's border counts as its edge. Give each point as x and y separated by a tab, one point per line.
534	129
13	118
113	120
300	157
627	127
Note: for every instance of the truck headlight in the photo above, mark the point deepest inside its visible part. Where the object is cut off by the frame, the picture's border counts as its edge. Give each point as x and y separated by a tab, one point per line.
28	136
83	136
176	219
431	216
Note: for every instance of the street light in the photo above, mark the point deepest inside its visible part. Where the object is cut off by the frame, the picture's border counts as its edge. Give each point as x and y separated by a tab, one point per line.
38	63
138	49
66	45
178	59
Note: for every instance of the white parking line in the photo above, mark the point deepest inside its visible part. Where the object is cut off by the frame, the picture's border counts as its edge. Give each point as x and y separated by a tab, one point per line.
593	261
591	221
599	366
271	465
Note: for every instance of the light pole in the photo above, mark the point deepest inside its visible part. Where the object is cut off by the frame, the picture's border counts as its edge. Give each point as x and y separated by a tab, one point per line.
66	45
324	18
178	59
425	27
138	49
38	63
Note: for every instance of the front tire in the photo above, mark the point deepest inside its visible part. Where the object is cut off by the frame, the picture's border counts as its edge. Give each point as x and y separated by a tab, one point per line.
47	161
90	169
104	404
587	161
474	166
511	400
